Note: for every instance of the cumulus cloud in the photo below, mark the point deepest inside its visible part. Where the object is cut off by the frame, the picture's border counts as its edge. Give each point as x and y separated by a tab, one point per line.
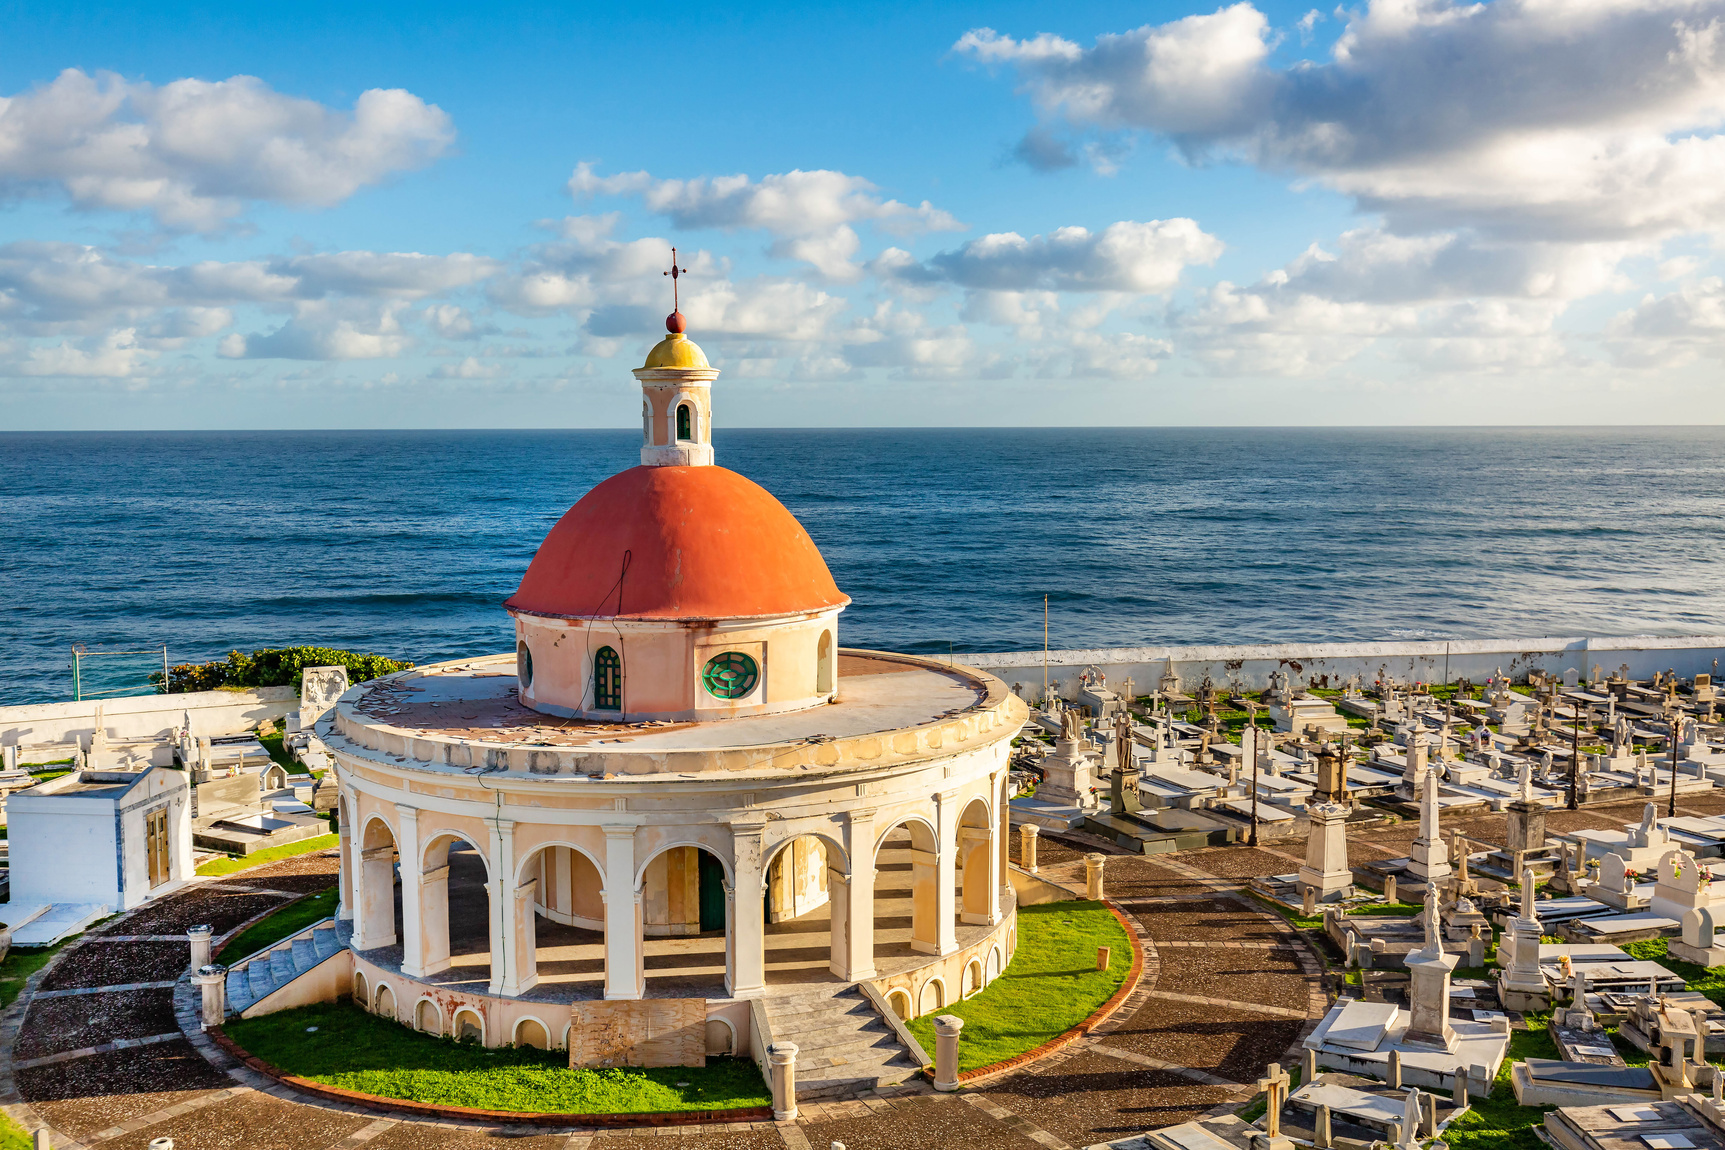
1529	119
328	329
1448	302
49	288
809	214
1124	257
117	355
191	154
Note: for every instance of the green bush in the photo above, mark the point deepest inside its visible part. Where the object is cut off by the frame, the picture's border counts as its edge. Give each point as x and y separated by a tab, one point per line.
273	667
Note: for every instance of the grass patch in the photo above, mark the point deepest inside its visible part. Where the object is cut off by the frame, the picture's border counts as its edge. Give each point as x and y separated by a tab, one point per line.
1709	981
354	1050
1050	986
274	744
12	1136
1497	1121
245	862
284	922
20	964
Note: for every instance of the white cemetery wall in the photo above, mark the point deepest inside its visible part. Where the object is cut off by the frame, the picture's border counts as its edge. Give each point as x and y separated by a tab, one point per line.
1332	664
142	718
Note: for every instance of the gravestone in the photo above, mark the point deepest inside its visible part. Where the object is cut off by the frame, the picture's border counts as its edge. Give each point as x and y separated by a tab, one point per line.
320	687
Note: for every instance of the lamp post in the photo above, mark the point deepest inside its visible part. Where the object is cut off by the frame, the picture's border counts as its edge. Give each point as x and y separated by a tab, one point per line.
1671	747
1252	722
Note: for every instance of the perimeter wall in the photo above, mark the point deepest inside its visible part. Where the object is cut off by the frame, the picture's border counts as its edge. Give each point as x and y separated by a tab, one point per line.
1332	664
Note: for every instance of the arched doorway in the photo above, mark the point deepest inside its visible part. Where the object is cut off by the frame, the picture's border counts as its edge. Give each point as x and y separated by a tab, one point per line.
905	894
455	911
976	895
568	918
685	922
804	906
378	898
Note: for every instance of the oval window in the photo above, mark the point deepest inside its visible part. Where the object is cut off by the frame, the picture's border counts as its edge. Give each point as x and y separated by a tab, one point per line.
731	675
524	666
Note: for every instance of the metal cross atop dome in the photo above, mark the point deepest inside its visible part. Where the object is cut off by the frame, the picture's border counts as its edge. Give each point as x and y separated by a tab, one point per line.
674	273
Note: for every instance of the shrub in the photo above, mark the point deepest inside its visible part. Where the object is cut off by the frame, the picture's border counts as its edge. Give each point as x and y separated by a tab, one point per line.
273	667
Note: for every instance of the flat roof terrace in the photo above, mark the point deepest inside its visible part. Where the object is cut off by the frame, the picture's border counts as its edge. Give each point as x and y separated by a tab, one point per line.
465	713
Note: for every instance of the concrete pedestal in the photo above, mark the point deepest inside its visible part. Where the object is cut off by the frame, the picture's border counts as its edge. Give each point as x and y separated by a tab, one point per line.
946	1028
1428	996
782	1063
1326	873
212	982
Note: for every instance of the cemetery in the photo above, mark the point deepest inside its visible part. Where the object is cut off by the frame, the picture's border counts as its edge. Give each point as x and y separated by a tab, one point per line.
680	862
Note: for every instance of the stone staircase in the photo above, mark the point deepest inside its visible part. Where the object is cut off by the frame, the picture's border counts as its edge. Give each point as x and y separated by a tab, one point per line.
257	976
844	1046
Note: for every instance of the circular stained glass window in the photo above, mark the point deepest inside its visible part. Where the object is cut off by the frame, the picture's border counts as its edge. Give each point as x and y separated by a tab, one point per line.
731	675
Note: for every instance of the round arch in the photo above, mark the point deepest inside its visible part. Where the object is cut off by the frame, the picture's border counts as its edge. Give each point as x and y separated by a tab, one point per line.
375	885
454	904
428	1016
641	870
932	996
383	1000
923	835
835	848
974	861
524	1035
441	839
527	860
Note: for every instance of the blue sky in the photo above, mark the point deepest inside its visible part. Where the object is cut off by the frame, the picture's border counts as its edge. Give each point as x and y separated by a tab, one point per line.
1408	212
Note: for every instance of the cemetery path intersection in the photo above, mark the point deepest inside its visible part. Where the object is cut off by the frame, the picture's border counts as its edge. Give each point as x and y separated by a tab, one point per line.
1228	988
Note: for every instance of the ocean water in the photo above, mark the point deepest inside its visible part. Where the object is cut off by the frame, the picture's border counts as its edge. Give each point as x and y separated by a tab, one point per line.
405	543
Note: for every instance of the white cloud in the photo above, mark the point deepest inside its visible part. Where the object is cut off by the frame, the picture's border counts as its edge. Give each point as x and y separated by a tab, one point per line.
1445	302
1525	119
117	355
191	154
328	329
468	368
1124	257
50	288
809	213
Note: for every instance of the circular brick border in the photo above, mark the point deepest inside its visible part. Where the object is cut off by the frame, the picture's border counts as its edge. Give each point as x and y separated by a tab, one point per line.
427	1110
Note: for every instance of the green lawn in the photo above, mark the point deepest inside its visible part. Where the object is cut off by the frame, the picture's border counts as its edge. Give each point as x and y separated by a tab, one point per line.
12	1136
20	964
288	920
354	1050
1496	1122
1701	979
245	862
1051	986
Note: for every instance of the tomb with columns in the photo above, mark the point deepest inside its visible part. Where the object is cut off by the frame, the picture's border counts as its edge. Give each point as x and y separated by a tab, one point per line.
678	795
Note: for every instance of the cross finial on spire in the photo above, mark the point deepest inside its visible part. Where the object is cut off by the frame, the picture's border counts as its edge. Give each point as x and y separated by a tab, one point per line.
674	273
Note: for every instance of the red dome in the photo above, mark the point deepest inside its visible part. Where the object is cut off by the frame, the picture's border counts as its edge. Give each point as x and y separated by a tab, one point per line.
702	543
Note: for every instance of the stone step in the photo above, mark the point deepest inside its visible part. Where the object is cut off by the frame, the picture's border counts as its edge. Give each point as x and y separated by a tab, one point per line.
839	1034
304	955
281	965
325	941
258	974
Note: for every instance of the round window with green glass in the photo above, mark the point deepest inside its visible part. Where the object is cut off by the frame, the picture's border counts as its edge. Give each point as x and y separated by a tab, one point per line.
731	675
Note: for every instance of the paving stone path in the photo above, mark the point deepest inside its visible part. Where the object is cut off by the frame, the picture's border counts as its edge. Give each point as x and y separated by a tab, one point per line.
102	1046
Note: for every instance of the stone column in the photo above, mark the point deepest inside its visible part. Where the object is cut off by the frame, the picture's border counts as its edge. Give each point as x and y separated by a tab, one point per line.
200	937
522	971
433	901
1093	864
782	1063
924	901
212	982
1027	846
500	887
374	922
347	899
946	1028
980	907
623	966
748	919
412	878
853	955
946	874
1002	839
